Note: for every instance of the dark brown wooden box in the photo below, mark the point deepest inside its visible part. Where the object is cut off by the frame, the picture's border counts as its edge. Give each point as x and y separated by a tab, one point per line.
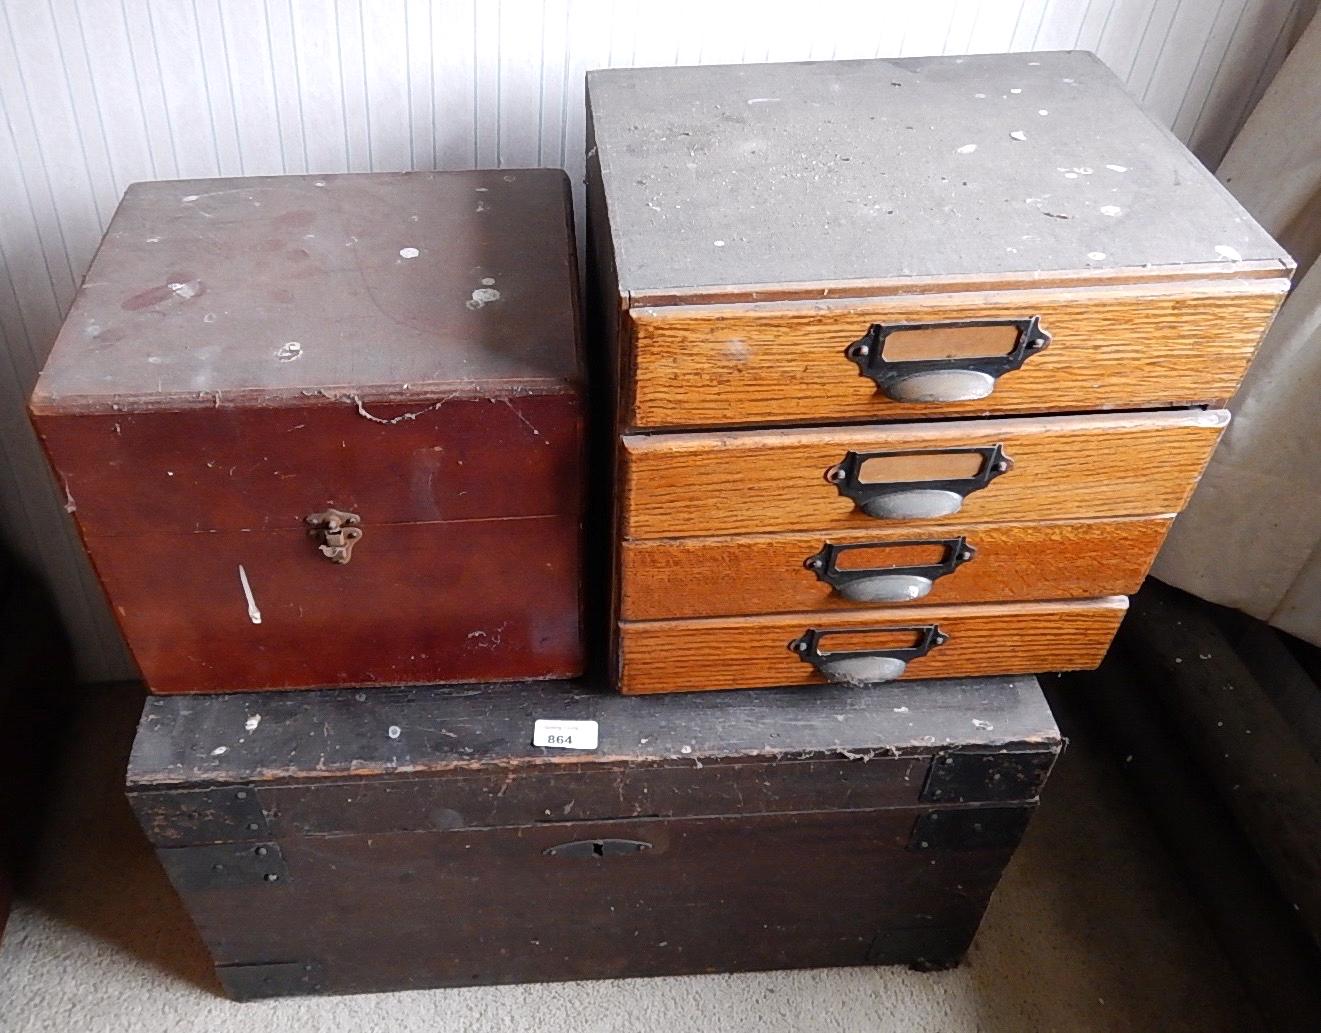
247	356
344	841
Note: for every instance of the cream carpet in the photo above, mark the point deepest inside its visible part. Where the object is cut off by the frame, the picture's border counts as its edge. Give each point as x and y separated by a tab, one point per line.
1090	932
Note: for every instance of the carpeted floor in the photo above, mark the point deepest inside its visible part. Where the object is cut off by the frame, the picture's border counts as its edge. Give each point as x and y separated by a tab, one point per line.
1091	932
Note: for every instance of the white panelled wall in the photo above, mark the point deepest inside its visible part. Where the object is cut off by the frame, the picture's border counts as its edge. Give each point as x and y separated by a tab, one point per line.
95	94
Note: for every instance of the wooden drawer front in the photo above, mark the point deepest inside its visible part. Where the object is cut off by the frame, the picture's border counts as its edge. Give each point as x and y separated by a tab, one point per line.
731	576
1063	468
784	362
753	652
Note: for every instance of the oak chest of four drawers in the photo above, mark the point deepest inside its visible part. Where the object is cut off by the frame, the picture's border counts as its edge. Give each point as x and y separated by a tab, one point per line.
912	362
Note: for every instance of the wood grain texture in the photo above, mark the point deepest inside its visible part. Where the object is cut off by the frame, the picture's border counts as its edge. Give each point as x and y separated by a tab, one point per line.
755	574
469	567
1112	347
470	600
259	468
752	652
455	815
873	287
699	898
1074	467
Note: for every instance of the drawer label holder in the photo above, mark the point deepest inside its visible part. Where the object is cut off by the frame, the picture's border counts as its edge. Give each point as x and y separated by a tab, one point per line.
916	500
896	584
865	666
944	379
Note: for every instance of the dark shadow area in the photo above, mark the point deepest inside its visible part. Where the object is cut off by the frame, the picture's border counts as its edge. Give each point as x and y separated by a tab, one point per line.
98	873
1093	929
1211	719
36	682
1217	881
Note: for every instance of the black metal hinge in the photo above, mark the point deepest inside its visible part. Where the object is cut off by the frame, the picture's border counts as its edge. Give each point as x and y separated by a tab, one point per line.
201	815
223	865
972	828
986	776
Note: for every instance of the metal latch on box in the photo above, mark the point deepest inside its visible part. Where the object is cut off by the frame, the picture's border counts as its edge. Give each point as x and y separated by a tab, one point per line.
336	533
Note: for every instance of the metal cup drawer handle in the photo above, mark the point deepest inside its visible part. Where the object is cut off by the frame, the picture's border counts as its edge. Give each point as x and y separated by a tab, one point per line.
915	500
865	666
961	378
897	584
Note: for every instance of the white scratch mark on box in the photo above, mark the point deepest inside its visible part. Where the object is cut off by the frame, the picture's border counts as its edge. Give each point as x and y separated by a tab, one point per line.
523	420
254	614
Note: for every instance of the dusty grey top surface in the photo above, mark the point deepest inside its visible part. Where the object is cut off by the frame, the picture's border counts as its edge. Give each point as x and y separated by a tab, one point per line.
922	167
288	285
338	733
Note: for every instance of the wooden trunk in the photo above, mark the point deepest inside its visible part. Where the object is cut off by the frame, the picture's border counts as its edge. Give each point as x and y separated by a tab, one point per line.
951	335
346	842
249	357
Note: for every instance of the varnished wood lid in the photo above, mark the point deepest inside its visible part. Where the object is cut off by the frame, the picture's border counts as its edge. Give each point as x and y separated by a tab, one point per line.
815	176
292	288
